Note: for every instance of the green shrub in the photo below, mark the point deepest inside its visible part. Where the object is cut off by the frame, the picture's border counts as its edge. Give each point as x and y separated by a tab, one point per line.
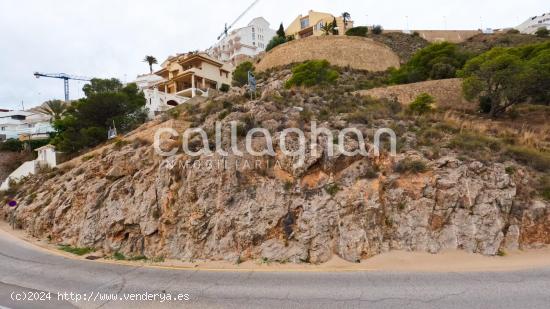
138	258
422	104
377	29
513	31
11	144
312	73
223	114
76	250
485	104
332	189
542	32
358	31
240	75
119	256
274	42
87	158
120	143
410	166
224	88
436	61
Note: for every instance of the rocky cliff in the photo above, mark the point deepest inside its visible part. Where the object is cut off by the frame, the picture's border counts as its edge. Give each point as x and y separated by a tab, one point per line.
126	198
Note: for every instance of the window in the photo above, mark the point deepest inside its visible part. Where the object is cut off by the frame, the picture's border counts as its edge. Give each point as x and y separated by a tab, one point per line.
304	23
319	25
3	128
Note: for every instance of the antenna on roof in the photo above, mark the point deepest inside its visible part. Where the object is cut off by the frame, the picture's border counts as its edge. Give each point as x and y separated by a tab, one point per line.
226	28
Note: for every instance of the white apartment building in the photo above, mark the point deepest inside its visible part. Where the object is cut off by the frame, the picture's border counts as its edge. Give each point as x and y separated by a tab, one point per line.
22	124
243	43
531	25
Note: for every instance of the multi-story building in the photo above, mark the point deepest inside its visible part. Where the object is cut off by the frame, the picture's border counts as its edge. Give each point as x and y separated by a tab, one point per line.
24	125
182	77
243	43
312	24
531	25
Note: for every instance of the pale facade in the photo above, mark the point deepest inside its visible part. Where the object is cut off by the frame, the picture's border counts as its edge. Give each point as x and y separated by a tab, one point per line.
156	101
192	74
533	24
24	125
243	43
312	24
182	77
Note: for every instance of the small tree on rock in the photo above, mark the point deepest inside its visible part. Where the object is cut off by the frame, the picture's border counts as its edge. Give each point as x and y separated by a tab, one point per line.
542	32
281	31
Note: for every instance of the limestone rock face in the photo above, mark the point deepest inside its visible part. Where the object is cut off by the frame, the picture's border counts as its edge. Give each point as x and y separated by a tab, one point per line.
131	200
137	203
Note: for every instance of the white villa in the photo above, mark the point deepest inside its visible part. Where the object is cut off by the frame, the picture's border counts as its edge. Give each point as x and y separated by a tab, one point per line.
46	158
531	25
24	125
243	43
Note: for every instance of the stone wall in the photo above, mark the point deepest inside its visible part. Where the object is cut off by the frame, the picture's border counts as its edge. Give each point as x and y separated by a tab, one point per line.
446	92
357	52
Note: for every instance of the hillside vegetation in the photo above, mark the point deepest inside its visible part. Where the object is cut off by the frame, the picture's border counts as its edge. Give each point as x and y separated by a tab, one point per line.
457	181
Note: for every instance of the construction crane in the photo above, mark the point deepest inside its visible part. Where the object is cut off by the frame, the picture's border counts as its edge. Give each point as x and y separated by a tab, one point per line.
225	31
65	78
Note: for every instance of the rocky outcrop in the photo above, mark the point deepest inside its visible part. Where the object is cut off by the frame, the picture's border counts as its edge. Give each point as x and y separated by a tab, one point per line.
135	202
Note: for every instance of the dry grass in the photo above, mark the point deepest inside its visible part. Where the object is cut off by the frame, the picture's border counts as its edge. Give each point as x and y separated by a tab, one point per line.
516	132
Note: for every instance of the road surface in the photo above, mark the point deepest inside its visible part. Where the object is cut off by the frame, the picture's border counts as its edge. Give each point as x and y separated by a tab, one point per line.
26	271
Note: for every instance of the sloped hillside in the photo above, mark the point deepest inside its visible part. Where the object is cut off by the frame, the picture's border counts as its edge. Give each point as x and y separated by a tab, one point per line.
447	187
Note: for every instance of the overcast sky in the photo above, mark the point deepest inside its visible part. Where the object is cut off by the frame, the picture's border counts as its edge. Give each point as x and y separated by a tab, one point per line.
109	38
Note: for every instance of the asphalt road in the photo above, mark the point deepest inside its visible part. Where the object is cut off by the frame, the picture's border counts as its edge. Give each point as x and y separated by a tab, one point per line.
27	271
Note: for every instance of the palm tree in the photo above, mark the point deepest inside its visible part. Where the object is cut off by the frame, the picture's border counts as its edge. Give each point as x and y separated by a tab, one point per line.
346	16
150	60
54	108
327	28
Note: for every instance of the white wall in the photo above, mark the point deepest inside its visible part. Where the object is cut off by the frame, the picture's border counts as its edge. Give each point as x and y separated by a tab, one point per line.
531	25
26	169
156	101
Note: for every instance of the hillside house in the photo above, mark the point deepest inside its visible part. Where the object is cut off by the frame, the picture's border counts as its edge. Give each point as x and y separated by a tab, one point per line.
312	24
180	78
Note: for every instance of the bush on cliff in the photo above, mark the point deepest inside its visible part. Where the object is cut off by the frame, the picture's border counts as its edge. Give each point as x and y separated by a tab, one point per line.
311	73
358	31
422	104
240	75
437	61
503	77
274	42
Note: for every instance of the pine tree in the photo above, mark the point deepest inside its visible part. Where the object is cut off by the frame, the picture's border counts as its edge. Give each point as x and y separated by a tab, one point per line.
334	27
281	31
